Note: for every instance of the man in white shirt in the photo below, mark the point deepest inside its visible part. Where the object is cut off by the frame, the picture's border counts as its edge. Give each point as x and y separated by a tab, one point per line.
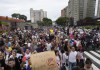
15	54
72	58
48	46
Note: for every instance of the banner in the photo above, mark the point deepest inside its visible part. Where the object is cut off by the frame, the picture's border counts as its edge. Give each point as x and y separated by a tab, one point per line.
44	61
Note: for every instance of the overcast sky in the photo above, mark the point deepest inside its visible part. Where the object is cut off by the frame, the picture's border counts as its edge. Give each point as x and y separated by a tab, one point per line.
53	7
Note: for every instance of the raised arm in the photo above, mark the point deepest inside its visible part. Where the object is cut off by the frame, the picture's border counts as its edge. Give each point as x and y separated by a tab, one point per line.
68	46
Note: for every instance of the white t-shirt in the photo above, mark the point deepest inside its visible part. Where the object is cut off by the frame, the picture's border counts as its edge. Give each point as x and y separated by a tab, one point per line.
48	46
64	58
29	44
72	56
33	36
80	54
58	61
27	55
17	55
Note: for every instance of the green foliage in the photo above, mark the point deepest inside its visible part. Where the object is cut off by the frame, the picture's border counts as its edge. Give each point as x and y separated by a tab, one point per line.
88	18
19	16
45	22
15	15
90	27
23	17
3	23
40	23
87	21
63	21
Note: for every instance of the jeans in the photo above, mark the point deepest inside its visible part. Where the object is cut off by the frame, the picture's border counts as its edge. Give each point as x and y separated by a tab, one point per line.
71	65
63	67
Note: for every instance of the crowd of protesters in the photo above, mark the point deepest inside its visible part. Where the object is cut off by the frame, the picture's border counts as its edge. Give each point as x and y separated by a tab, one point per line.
69	45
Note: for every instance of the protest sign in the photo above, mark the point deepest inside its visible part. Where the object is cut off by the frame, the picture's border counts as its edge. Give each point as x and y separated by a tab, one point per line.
44	61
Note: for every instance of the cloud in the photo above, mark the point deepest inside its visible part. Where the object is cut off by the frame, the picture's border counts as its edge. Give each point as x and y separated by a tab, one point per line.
53	7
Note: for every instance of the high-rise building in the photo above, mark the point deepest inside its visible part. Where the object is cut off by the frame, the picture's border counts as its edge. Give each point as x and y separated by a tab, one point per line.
98	11
70	6
74	9
64	12
67	11
45	13
89	8
37	15
79	9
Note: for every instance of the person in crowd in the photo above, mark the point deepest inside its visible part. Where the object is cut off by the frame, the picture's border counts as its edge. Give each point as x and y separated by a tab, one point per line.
14	53
88	64
65	45
72	57
11	65
58	59
80	58
1	42
48	46
23	66
75	68
64	59
17	45
2	61
26	56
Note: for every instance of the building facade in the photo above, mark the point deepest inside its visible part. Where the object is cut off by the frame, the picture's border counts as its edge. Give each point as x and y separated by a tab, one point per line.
98	11
80	9
64	12
89	8
74	10
37	15
12	23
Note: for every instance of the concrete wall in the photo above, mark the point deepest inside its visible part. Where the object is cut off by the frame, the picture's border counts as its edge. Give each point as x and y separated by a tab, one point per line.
22	25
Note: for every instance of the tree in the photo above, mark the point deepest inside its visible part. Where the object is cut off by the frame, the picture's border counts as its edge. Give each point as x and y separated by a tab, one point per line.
63	21
15	15
40	23
87	21
19	16
47	21
88	18
23	17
